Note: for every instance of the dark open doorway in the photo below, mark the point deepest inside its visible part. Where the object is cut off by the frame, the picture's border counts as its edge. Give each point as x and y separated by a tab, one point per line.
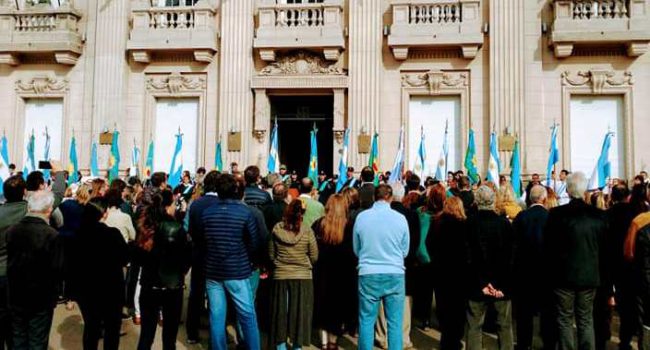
296	116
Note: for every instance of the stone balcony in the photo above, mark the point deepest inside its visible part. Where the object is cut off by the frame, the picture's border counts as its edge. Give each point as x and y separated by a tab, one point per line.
40	30
597	23
315	26
173	29
435	24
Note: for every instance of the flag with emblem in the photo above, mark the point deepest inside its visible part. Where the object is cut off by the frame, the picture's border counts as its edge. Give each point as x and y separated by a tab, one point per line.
4	170
441	168
470	159
373	161
515	170
114	159
603	169
29	164
273	163
148	164
46	155
494	165
398	165
422	154
218	161
553	156
94	167
312	173
4	150
134	170
73	166
343	163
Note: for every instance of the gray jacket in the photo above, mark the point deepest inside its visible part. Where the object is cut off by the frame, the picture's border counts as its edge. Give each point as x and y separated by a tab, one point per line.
10	214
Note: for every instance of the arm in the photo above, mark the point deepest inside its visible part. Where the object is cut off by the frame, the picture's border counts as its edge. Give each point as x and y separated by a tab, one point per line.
128	224
58	187
253	233
356	244
404	228
312	248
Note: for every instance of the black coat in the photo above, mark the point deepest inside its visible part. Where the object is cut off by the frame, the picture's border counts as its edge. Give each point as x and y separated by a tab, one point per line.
97	256
619	217
574	245
414	240
447	247
529	228
366	195
490	243
35	262
642	272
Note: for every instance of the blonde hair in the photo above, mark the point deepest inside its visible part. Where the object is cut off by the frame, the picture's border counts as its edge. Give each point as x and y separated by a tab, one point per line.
551	198
505	196
454	206
97	188
83	194
336	218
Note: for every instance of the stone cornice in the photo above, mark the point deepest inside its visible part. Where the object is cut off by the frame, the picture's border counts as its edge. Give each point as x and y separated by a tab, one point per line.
42	85
299	82
597	79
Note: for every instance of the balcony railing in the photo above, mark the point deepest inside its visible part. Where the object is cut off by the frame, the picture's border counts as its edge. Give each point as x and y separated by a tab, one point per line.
290	26
600	22
39	29
435	23
174	28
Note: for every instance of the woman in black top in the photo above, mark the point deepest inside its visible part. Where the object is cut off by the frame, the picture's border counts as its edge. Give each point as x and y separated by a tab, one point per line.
98	256
163	253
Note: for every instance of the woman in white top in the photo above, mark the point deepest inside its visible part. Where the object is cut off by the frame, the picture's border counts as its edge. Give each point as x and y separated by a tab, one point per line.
118	219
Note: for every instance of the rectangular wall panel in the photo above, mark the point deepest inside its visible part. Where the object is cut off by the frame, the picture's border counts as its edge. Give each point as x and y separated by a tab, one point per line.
172	114
41	114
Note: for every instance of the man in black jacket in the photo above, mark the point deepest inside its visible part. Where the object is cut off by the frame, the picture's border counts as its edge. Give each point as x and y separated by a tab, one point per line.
33	272
367	188
532	294
573	244
491	250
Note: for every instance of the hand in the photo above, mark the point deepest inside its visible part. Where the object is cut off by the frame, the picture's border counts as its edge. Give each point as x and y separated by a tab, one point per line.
488	290
69	306
611	302
56	166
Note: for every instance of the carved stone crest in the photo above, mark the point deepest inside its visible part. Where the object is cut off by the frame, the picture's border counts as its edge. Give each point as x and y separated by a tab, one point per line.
175	83
259	135
42	85
599	79
434	80
301	63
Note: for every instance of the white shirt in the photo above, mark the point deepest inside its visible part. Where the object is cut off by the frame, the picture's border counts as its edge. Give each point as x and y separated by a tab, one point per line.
121	221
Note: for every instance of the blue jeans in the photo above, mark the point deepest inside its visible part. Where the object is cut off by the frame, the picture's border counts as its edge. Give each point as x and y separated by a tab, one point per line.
255	283
388	288
241	293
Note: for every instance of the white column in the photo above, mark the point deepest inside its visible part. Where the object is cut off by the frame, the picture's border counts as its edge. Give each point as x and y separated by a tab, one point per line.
262	130
339	127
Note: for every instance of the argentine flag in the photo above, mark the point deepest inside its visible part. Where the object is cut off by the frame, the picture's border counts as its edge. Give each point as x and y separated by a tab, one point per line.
398	165
422	152
343	163
175	171
494	165
554	155
134	171
312	172
73	167
29	163
603	170
441	168
273	163
94	168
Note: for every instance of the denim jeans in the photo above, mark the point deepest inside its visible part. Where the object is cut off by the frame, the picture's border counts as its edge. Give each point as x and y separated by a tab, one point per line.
578	303
241	293
255	283
476	311
389	289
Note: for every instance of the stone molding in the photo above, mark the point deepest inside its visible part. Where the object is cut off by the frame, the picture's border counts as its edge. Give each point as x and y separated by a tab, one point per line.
597	79
42	85
176	83
434	80
301	63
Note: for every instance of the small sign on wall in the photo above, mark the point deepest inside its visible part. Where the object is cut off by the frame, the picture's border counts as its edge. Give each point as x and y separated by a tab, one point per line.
507	143
364	143
105	138
234	141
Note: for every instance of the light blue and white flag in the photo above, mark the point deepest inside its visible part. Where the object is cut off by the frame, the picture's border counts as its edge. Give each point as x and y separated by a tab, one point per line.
94	164
312	171
134	170
515	170
273	163
4	171
4	149
218	160
343	163
494	165
554	155
46	154
29	164
422	153
603	169
398	165
176	170
441	168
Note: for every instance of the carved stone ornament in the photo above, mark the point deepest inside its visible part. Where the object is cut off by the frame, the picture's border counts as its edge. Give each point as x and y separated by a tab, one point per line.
259	135
434	80
175	83
42	85
598	79
338	136
301	63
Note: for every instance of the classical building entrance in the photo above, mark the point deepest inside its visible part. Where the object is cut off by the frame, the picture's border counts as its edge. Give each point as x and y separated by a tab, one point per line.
296	116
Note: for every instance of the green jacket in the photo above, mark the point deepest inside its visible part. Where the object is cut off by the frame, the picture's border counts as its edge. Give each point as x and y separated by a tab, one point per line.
293	254
314	210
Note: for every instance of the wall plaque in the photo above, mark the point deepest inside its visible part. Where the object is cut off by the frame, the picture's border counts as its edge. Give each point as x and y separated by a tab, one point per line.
105	138
234	141
363	143
507	143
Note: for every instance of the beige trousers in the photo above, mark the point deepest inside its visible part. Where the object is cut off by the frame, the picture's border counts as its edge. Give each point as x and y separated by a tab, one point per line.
381	326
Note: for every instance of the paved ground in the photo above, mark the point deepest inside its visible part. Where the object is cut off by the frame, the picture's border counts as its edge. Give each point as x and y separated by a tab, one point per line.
67	331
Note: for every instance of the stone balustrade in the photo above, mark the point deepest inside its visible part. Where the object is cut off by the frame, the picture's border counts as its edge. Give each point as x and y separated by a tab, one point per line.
173	29
593	23
317	26
435	24
38	29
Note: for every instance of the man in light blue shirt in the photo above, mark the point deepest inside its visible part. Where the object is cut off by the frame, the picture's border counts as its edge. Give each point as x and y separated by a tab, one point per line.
381	241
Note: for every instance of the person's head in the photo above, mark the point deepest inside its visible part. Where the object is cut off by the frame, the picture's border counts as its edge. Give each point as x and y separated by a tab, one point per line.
322	176
563	174
294	176
502	180
40	203
200	171
227	187
83	194
398	191
252	175
280	192
413	183
639	198
186	177
292	216
35	181
644	175
435	199
161	208
335	219
506	195
306	185
619	194
14	189
94	210
283	170
119	185
535	179
210	181
234	167
638	180
98	188
450	176
272	179
350	172
485	198
383	193
552	199
576	185
367	174
463	183
453	206
351	194
159	180
12	168
538	195
114	198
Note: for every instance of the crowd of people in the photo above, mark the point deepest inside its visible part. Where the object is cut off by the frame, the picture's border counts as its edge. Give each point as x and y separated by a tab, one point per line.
284	256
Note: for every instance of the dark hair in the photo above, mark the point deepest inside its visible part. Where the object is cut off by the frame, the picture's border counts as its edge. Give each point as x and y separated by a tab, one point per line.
113	198
152	215
200	170
227	187
251	174
367	174
413	183
383	192
463	182
12	166
306	185
436	199
210	181
565	172
638	199
94	210
117	184
619	193
14	188
158	178
34	181
280	191
134	181
292	216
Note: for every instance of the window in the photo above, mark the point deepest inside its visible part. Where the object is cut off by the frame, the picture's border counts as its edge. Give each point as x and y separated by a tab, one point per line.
170	3
431	114
591	117
172	114
39	115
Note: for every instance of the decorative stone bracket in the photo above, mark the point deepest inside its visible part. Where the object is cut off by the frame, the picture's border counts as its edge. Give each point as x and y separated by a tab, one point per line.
42	85
598	79
434	80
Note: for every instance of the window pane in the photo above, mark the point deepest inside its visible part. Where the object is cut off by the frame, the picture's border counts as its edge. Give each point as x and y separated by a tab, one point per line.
591	117
431	113
41	114
172	114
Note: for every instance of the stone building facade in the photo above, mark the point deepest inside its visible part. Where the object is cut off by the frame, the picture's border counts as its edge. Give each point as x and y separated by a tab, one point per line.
226	70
